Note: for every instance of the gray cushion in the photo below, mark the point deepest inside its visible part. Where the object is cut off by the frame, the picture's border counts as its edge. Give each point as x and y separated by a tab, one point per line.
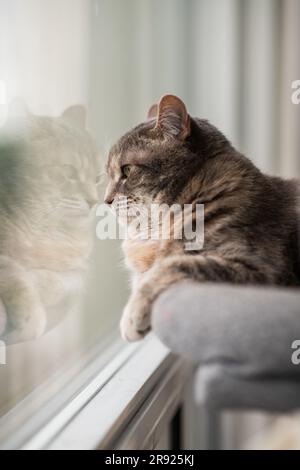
240	336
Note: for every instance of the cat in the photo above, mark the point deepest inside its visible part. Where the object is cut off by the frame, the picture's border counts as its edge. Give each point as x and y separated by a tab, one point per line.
48	186
250	219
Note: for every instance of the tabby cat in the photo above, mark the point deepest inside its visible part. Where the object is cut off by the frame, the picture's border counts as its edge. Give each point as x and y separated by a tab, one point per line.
251	232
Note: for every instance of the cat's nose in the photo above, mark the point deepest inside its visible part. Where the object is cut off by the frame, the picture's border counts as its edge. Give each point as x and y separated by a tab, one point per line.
109	195
109	200
92	197
92	202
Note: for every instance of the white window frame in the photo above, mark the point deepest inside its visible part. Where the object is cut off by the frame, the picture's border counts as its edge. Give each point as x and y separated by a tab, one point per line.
127	405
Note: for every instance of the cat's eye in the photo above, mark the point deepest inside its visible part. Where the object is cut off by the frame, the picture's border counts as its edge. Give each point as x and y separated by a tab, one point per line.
126	169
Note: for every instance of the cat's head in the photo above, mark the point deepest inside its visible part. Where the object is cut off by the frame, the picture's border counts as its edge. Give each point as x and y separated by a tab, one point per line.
153	162
57	158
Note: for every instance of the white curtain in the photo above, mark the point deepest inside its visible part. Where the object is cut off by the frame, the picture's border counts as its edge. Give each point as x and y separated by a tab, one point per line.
289	71
232	61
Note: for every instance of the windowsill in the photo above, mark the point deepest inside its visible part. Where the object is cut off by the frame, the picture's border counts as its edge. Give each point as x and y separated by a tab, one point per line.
142	384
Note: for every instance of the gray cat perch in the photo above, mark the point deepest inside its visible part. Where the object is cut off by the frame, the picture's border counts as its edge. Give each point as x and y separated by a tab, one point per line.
241	337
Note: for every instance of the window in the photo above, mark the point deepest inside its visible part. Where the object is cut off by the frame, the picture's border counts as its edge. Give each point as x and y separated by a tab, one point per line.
47	55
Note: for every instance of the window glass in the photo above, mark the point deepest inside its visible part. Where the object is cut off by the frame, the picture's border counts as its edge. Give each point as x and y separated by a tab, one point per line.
62	289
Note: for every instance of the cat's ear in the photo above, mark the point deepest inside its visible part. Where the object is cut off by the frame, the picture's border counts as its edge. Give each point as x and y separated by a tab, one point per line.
173	117
75	115
153	111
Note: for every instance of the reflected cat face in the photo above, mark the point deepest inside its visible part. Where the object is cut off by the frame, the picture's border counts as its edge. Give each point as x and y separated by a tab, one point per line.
66	158
57	162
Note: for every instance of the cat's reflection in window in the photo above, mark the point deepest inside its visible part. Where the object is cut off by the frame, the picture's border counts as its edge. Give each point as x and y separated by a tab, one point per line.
48	187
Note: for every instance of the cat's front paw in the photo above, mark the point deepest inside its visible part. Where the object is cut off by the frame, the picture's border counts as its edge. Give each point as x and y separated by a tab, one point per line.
136	320
27	328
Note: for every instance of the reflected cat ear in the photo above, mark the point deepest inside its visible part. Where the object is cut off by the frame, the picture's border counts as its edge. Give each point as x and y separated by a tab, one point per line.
173	118
153	111
75	115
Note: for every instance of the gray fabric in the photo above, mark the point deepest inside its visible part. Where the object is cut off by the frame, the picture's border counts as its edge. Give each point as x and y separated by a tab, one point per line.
217	387
241	337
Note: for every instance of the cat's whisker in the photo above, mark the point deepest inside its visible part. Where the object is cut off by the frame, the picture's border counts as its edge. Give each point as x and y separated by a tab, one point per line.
71	202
